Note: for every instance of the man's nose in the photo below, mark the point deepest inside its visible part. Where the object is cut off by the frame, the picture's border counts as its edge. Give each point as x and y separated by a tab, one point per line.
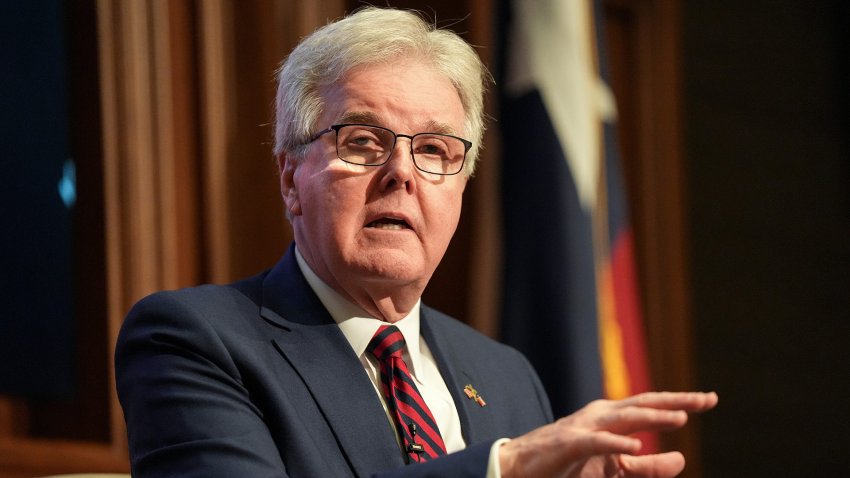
399	169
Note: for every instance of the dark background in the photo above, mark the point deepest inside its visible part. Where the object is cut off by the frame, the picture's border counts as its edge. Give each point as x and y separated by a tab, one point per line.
36	283
768	154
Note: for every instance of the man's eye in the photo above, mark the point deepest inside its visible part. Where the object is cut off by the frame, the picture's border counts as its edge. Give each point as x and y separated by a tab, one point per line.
363	141
432	149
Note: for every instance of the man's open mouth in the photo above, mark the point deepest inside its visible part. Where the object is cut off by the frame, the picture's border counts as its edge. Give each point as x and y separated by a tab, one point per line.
389	224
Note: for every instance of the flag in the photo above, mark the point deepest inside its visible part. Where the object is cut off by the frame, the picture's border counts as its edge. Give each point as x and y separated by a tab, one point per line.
570	300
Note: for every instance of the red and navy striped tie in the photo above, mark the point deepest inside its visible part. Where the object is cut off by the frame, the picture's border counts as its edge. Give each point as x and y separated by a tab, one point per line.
414	422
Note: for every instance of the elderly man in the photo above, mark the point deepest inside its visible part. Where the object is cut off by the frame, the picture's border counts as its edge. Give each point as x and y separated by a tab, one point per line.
328	364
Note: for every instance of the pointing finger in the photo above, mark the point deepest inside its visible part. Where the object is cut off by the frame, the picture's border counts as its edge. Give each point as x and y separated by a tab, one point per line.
687	401
626	421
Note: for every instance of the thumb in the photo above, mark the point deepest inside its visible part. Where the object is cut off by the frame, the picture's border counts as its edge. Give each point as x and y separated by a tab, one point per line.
662	465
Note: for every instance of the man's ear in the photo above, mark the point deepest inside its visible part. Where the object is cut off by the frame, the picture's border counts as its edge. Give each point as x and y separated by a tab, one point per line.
288	191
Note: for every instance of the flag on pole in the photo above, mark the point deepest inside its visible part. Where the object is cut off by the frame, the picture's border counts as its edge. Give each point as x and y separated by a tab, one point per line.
570	296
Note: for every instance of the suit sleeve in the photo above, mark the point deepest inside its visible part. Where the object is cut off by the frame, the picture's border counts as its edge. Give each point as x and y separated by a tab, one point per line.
186	409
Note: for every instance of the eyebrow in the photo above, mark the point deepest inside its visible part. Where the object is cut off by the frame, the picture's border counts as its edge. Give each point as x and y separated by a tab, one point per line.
367	117
360	117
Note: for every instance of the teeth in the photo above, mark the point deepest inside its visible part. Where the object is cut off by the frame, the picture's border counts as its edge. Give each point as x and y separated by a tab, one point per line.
388	226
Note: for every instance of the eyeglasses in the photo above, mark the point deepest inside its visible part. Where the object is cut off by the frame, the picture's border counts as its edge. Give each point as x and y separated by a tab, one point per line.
370	145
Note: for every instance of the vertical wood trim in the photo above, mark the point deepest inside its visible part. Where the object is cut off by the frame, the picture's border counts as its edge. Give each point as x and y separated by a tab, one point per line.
142	247
176	147
662	181
658	178
670	329
165	131
484	303
106	19
217	85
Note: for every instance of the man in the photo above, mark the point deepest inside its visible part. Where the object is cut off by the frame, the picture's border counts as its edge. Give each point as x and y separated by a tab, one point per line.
294	372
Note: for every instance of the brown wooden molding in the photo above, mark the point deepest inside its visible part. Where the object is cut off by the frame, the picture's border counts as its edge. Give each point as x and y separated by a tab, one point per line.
645	43
483	308
22	457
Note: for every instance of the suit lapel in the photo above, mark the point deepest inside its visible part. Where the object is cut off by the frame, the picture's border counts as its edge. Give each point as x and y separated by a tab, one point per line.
314	346
476	422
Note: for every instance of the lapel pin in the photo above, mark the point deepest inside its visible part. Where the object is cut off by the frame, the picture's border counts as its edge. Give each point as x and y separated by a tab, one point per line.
473	394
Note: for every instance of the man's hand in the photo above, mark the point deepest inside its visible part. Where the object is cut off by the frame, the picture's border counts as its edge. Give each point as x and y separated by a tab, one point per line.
595	441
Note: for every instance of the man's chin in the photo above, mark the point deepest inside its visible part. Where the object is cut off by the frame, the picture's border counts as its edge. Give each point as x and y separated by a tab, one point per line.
390	265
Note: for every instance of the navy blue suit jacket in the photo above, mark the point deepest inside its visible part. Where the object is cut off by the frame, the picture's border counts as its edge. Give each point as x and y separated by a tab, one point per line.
255	379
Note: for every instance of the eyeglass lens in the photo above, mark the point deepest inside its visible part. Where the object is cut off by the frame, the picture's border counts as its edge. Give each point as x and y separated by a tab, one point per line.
372	145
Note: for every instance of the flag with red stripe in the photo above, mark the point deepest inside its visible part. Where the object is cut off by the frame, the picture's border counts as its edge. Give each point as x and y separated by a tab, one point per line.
570	297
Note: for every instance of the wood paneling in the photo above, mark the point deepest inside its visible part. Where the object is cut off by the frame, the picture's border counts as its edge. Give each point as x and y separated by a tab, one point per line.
644	40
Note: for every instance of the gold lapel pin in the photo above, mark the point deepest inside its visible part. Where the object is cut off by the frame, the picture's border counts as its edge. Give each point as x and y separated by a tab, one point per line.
473	394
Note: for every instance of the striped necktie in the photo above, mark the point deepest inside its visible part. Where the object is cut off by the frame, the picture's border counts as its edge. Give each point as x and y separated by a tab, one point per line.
413	420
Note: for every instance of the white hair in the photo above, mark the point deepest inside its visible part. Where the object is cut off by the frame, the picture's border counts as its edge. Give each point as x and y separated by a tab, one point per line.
369	36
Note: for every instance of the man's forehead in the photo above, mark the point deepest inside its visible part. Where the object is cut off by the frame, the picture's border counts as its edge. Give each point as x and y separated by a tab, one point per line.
407	96
373	118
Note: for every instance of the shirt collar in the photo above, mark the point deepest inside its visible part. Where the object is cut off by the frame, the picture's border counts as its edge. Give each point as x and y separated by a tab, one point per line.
358	326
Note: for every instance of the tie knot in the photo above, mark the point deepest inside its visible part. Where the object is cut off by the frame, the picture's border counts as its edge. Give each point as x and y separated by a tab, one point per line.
386	343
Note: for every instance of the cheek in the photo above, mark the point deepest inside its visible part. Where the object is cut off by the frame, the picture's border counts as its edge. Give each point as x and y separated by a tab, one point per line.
339	204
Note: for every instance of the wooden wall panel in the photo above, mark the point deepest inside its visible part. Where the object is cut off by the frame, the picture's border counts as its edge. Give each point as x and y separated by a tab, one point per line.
644	42
483	308
216	122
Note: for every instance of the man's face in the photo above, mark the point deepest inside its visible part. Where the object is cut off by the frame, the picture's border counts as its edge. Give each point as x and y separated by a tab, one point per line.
378	226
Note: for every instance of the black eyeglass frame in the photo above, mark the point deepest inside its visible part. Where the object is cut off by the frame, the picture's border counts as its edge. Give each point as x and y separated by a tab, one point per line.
467	145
